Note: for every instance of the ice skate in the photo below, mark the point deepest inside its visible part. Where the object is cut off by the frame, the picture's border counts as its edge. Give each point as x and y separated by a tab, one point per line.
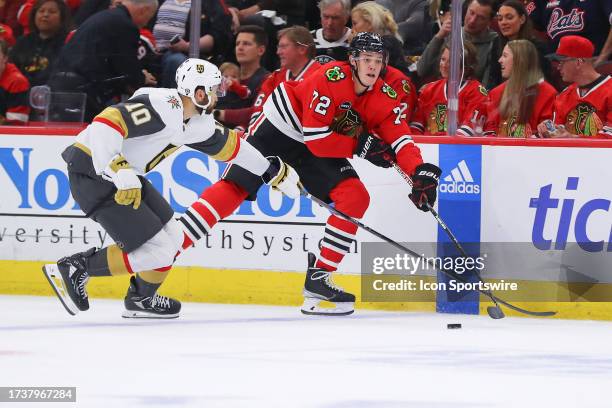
68	278
319	287
140	305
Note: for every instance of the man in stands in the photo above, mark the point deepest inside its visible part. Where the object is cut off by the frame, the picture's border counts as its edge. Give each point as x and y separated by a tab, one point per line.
583	109
296	51
251	43
332	39
476	30
101	59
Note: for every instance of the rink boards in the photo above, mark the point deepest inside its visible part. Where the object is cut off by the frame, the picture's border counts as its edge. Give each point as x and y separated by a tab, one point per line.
535	202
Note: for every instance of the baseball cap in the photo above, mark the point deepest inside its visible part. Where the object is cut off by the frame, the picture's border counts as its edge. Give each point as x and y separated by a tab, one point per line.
573	46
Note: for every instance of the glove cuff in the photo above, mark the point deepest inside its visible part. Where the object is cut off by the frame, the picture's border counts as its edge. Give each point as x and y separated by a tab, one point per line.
275	167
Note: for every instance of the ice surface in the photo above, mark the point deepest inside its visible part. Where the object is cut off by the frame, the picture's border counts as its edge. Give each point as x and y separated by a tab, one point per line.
266	356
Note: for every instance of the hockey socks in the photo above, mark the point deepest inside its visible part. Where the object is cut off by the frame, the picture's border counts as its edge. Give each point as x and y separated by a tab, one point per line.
351	197
216	203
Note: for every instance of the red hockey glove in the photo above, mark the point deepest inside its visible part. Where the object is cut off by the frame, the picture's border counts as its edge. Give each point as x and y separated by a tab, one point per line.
424	183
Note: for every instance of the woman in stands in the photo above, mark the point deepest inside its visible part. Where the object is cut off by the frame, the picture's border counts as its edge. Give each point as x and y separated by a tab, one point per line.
430	117
514	24
524	99
373	18
35	53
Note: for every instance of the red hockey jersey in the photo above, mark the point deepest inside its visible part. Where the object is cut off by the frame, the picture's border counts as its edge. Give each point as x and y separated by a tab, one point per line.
405	89
430	116
14	87
275	79
587	115
307	111
508	127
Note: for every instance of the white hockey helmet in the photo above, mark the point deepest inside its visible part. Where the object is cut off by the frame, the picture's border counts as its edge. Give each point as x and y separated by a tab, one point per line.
194	73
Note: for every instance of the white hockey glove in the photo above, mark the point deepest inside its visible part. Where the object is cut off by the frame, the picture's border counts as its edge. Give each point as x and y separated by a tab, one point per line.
119	172
282	177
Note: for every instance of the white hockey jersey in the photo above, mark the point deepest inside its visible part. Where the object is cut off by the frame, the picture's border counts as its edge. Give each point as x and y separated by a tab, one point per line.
149	127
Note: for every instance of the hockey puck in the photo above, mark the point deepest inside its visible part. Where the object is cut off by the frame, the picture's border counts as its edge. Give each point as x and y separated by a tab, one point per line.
453	326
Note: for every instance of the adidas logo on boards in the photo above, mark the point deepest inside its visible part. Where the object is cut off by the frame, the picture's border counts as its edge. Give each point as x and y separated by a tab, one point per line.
459	181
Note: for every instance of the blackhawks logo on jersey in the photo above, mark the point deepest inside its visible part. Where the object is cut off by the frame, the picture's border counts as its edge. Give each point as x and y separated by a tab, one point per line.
174	102
583	120
406	86
511	128
483	90
436	122
390	92
334	74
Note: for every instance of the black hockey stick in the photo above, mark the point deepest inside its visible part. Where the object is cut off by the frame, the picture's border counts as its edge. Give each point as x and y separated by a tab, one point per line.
491	310
494	312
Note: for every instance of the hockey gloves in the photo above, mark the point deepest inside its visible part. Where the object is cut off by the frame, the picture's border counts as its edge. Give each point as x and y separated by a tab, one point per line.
119	172
282	177
424	184
374	150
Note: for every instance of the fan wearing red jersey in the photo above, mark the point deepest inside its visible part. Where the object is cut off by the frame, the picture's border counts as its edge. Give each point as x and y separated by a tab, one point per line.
430	117
583	109
315	125
296	51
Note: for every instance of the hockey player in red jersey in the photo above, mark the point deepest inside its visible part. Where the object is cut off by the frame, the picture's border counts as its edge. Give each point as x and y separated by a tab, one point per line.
315	125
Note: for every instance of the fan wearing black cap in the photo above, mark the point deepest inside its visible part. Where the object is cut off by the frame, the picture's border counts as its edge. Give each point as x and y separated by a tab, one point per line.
583	109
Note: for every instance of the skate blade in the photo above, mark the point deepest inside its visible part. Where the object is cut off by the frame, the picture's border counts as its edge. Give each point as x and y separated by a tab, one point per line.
138	314
56	281
312	307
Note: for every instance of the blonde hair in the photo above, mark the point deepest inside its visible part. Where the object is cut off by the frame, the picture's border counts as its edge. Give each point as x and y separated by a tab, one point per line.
379	17
228	65
521	90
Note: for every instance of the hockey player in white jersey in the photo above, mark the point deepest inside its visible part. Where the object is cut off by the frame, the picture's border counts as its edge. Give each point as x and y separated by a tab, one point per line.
105	167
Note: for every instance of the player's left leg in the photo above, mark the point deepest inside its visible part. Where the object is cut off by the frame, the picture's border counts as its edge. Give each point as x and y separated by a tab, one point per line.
332	180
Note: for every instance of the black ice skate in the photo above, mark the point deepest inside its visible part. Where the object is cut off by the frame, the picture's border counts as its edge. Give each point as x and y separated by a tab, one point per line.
319	287
139	304
68	278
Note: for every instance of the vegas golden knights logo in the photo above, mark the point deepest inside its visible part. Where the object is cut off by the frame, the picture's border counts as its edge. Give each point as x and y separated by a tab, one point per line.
200	68
583	120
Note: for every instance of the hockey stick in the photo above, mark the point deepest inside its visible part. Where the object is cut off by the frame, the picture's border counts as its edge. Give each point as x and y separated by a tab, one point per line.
491	309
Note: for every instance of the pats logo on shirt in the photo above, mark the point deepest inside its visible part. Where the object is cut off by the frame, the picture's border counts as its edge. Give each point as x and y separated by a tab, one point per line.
561	23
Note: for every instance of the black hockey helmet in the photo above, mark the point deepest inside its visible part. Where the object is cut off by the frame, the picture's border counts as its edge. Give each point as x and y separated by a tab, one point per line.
367	42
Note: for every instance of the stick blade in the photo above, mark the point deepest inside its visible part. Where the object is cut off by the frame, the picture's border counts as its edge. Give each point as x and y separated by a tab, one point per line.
495	312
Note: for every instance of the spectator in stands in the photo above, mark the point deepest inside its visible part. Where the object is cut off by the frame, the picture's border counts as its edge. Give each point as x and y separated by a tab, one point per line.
476	30
591	19
14	86
8	15
583	109
411	19
173	20
332	39
514	24
296	50
518	105
101	58
431	118
374	18
231	75
251	43
35	53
